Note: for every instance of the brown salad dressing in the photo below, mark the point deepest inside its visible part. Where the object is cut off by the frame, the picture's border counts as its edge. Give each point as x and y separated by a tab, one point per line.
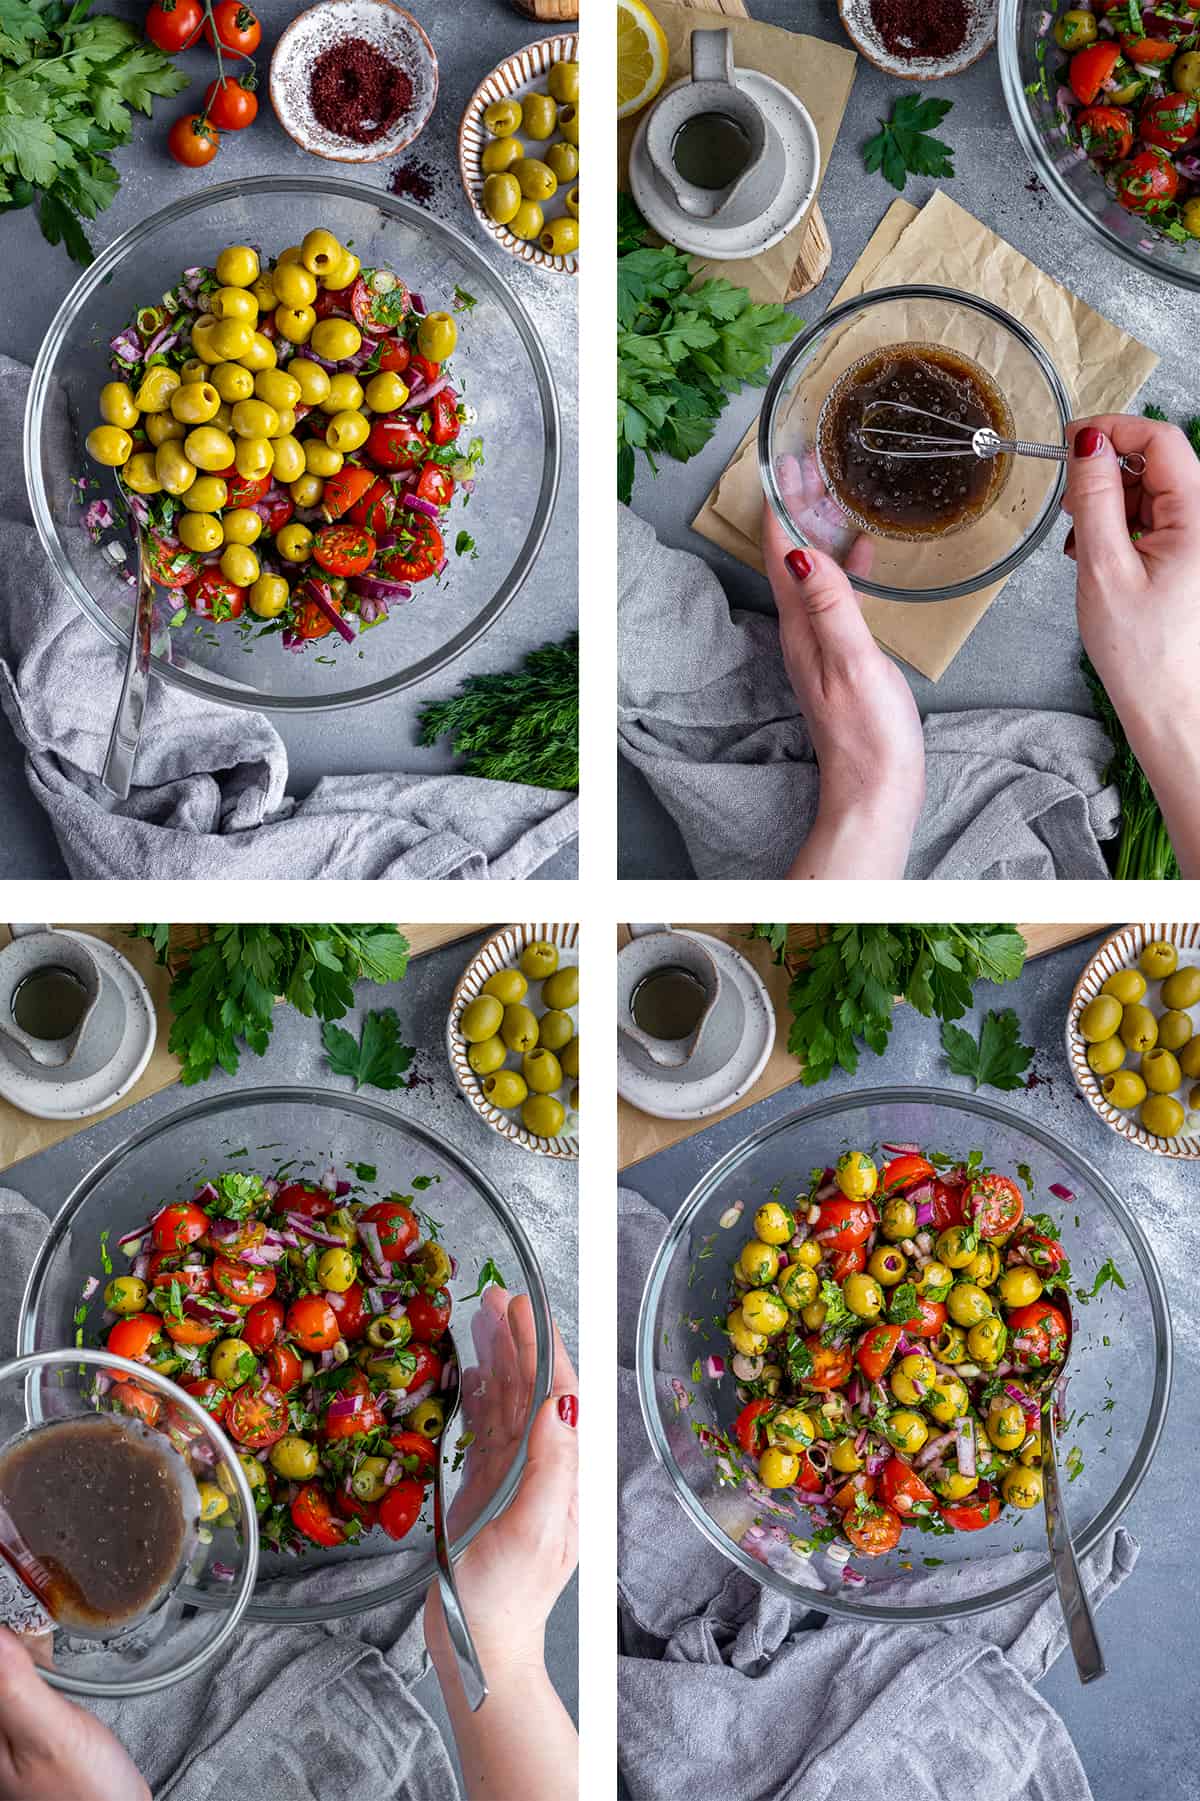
912	497
92	1519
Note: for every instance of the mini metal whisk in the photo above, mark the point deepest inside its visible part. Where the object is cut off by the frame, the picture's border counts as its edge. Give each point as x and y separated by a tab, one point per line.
961	439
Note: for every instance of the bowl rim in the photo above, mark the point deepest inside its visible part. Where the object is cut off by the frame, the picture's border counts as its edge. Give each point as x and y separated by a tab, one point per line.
1044	169
280	112
948	67
776	393
28	1364
312	1612
323	188
1038	1579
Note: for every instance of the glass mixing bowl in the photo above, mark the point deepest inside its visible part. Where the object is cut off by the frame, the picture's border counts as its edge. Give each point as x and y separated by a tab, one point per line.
1028	64
1120	1359
195	1617
500	368
1026	508
260	1129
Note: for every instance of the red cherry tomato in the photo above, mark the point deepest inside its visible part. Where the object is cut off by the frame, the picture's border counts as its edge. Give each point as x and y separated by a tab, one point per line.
262	1325
1106	133
419	557
312	1515
349	1311
283	1366
876	1348
1037	1334
192	141
394	356
241	1283
904	1170
1148	52
165	1268
171	25
928	1320
133	1337
243	490
423	370
1148	182
436	485
847	1495
842	1223
178	1225
378	310
312	1322
445	421
257	1415
848	1263
343	549
368	1417
396	1225
396	443
305	1198
747	1430
343	488
902	1488
831	1364
400	1508
309	621
127	1397
211	1395
994	1205
229	105
947	1205
972	1515
1170	121
377	507
351	1508
429	1315
873	1532
215	597
191	1331
428	1366
417	1453
1045	1254
236	27
170	565
1090	69
278	514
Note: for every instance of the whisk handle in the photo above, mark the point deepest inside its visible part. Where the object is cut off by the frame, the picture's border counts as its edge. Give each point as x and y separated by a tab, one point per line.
1134	464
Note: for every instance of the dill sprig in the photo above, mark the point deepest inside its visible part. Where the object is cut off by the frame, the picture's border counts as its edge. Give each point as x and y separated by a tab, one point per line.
521	725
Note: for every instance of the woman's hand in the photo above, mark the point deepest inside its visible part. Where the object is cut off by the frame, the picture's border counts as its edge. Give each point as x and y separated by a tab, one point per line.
1139	600
49	1748
860	712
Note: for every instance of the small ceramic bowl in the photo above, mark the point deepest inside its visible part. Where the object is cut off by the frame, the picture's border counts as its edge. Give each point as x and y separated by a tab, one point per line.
860	28
520	75
387	28
503	951
1122	951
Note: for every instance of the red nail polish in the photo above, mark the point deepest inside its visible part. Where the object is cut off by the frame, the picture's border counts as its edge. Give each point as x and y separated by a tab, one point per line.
1089	442
800	564
568	1409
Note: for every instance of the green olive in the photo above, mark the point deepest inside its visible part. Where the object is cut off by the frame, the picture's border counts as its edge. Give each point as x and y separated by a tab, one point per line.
572	201
1074	30
764	1312
570	1061
798	1286
427	1419
505	1088
984	1266
543	1116
956	1246
487	1056
1100	1018
1005	1425
967	1304
1174	1029
1128	985
1139	1029
499	156
563	81
542	1070
1022	1487
385	1331
539	116
432	1265
1106	1056
863	1295
212	1502
519	1028
1185	73
1158	960
481	1019
539	960
537	179
501	198
1161	1072
986	1340
232	1363
575	1096
1189	1058
562	988
341	1225
528	221
503	117
905	1430
564	160
555	1029
252	1469
568	121
1182	989
1194	1098
294	1457
1124	1088
508	985
950	1345
367	1482
887	1265
898	1219
949	1400
561	237
336	1271
1162	1115
126	1294
437	336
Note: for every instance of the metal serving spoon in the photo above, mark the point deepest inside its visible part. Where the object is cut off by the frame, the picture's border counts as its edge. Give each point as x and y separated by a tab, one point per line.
131	708
470	1669
1077	1610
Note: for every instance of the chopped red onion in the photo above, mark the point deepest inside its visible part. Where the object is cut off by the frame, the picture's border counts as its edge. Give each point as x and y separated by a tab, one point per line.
925	1213
90	1287
877	1461
714	1368
133	1238
902	1150
419	505
408	1401
344	1406
321	597
301	1224
368	1233
1060	1193
854	1577
964	1435
222	1572
860	1442
395	1472
935	1449
809	1497
262	1256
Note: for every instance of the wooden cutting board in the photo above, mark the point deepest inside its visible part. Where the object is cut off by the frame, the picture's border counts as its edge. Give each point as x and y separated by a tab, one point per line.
640	1136
23	1136
816	251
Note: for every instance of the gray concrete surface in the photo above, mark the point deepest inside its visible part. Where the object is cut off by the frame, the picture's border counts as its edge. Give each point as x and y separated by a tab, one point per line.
383	735
1025	651
1135	1730
541	1192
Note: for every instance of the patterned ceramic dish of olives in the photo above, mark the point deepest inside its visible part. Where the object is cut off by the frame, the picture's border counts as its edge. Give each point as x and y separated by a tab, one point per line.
513	1036
1133	1036
518	154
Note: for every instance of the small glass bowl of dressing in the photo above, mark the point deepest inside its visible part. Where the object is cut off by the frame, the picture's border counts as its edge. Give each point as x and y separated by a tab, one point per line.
981	548
121	1504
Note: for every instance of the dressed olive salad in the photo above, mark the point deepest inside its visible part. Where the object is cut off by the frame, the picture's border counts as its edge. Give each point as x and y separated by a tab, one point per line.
499	1024
312	1325
893	1336
520	185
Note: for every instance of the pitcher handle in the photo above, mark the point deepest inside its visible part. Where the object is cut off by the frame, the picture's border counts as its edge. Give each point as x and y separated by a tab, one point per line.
27	931
712	56
644	931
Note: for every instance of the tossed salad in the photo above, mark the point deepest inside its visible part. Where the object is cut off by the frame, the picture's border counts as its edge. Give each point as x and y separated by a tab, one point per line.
288	437
312	1325
892	1333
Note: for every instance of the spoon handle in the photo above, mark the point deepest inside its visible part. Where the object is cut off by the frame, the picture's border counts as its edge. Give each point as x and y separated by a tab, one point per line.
470	1670
1077	1611
131	708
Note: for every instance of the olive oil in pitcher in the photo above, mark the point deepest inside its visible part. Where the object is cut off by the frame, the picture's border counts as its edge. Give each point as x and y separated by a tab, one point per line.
711	150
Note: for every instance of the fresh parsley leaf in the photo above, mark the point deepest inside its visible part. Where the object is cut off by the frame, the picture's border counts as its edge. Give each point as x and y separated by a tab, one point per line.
799	1358
490	1276
997	1060
366	1172
903	1304
1108	1272
378	1058
776	936
518	725
903	146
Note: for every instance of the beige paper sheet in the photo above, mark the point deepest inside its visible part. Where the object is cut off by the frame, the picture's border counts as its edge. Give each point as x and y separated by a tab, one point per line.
819	74
944	246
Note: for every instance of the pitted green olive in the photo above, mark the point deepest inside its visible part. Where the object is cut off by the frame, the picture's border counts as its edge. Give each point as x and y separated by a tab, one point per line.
518	1027
564	160
798	1286
542	1071
1185	72
125	1294
1174	1029
1161	1072
539	116
505	1088
508	985
1162	1115
537	179
499	156
503	117
1106	1056
385	1332
1139	1029
560	237
568	122
481	1019
561	990
898	1219
1181	989
294	1458
967	1304
1100	1018
1022	1487
570	1061
539	960
367	1483
1159	960
1128	986
543	1116
563	81
1189	1058
486	1056
1124	1088
556	1029
572	201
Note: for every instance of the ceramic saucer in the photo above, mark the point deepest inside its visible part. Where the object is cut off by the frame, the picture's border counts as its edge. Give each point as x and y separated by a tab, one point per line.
682	1094
700	237
112	1055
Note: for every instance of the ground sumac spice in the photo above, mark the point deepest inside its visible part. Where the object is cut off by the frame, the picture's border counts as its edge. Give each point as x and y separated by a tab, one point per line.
356	92
921	30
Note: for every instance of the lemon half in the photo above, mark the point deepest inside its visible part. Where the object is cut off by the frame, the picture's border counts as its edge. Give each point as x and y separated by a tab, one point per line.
641	57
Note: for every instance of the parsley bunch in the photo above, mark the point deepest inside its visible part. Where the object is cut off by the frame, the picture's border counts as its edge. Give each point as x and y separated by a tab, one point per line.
67	84
518	726
903	146
227	990
682	350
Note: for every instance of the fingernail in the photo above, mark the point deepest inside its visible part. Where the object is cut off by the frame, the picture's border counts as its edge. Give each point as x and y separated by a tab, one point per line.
800	564
1089	442
568	1410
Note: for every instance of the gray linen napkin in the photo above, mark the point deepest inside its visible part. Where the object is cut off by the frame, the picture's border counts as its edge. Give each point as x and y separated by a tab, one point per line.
306	1713
728	1693
708	716
210	798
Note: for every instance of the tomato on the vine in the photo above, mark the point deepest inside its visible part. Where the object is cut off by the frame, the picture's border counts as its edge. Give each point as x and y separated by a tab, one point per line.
192	141
230	105
236	26
171	25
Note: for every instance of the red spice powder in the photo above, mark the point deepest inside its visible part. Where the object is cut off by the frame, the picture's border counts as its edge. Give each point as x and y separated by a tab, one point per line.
414	181
356	92
918	30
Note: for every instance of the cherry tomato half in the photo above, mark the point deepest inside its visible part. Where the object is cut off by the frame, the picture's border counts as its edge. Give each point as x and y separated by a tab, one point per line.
429	1315
436	485
972	1515
873	1532
415	560
127	1397
396	1225
192	141
133	1337
928	1320
165	1268
397	444
400	1508
229	105
831	1364
312	1515
394	356
242	1283
304	1197
377	507
1037	1334
346	486
283	1366
1045	1254
747	1430
902	1488
258	1415
876	1348
178	1225
214	596
211	1395
848	1263
444	414
170	565
191	1331
350	1311
1148	52
1106	133
262	1325
312	1322
994	1204
428	1366
309	621
947	1205
1090	69
417	1453
343	549
243	490
379	301
236	26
